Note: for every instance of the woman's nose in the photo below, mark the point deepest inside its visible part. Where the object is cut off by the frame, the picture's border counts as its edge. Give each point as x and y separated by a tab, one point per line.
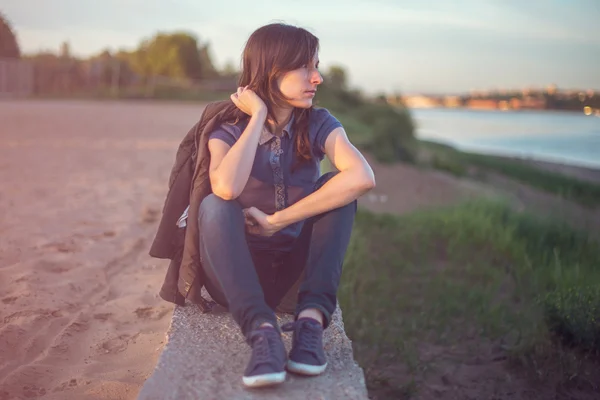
316	78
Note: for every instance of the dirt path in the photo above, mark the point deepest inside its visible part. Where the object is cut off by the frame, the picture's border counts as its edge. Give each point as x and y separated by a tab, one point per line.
404	188
548	205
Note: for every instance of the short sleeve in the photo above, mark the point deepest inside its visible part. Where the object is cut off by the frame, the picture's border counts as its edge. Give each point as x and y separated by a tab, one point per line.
322	125
227	133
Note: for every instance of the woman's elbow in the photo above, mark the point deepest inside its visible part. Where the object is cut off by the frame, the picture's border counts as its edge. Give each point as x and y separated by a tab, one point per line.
225	195
366	182
370	183
224	192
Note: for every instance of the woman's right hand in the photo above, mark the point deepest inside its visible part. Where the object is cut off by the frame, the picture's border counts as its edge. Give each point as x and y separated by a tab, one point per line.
248	101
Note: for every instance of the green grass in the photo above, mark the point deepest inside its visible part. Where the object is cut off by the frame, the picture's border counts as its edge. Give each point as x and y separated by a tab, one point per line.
385	132
456	162
443	277
358	132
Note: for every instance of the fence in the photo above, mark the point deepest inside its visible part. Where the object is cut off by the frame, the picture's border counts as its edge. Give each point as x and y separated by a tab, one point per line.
16	78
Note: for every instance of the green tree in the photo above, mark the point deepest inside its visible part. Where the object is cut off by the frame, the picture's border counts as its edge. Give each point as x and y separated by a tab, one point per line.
55	74
9	47
174	55
337	78
65	50
229	69
107	69
207	67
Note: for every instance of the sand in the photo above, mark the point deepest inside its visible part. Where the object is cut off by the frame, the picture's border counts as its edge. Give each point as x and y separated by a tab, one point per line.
82	186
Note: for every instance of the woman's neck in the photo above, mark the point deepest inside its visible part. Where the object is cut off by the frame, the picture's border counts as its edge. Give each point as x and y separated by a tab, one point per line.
283	116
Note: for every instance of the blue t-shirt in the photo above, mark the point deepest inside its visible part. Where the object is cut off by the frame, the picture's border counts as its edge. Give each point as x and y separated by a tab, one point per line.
272	185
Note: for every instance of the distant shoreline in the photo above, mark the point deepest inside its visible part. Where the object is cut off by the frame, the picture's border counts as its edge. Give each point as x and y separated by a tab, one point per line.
588	173
584	173
501	111
558	137
546	160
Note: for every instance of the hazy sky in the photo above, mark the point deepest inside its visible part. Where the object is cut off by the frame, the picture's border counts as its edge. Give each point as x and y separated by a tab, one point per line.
386	45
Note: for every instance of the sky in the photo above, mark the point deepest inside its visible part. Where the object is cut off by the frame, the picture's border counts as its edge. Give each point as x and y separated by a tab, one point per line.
405	46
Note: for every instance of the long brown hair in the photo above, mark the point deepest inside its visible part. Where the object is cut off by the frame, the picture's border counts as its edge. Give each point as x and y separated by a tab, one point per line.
271	51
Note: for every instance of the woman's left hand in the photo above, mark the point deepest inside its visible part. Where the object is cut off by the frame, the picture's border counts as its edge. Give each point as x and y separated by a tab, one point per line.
259	223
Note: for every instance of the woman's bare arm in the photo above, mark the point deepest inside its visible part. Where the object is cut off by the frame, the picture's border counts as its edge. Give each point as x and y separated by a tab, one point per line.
230	166
355	178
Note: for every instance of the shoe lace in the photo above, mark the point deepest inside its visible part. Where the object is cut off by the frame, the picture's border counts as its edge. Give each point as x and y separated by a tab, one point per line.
263	345
307	336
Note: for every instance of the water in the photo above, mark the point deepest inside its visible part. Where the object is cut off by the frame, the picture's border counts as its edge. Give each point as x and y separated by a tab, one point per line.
569	138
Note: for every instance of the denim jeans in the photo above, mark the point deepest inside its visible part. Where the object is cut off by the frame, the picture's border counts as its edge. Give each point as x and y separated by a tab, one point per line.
252	283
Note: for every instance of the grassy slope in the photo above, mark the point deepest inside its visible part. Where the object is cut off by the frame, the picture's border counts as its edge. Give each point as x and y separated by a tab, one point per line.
458	163
474	270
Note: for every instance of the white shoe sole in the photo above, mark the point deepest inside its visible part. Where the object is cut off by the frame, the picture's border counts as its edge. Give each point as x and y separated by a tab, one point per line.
264	380
305	369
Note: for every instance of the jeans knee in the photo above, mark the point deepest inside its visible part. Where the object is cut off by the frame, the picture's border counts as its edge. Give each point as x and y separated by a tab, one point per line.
353	206
324	178
349	210
214	209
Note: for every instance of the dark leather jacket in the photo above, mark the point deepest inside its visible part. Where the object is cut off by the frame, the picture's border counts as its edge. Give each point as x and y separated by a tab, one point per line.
189	184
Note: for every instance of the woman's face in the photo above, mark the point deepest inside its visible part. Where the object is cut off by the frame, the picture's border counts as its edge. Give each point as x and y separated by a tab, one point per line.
300	85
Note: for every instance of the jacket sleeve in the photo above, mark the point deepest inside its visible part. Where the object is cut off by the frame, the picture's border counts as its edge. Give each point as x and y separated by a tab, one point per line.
185	150
167	240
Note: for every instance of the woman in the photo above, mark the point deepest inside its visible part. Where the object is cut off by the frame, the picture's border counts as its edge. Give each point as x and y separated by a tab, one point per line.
271	218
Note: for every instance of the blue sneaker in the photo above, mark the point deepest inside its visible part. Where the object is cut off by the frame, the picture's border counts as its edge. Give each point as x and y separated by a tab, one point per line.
307	356
267	363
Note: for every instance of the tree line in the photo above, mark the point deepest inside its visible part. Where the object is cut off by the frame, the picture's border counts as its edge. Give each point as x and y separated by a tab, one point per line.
177	57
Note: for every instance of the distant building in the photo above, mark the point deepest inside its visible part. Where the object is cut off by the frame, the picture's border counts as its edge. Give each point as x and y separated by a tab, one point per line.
515	103
482	104
421	102
531	102
452	101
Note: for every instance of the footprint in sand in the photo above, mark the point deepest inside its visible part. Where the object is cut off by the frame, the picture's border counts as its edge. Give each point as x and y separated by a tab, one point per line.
96	236
32	314
53	267
62	247
102	316
66	385
117	344
70	246
151	313
144	312
33	392
149	215
9	300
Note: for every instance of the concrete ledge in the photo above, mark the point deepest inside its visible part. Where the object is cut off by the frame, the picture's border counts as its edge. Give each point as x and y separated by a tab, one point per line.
206	355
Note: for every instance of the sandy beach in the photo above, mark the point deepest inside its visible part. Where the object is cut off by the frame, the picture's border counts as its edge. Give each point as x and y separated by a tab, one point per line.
82	187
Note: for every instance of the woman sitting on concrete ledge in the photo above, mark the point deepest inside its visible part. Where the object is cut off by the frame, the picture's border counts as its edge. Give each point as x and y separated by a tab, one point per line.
271	217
